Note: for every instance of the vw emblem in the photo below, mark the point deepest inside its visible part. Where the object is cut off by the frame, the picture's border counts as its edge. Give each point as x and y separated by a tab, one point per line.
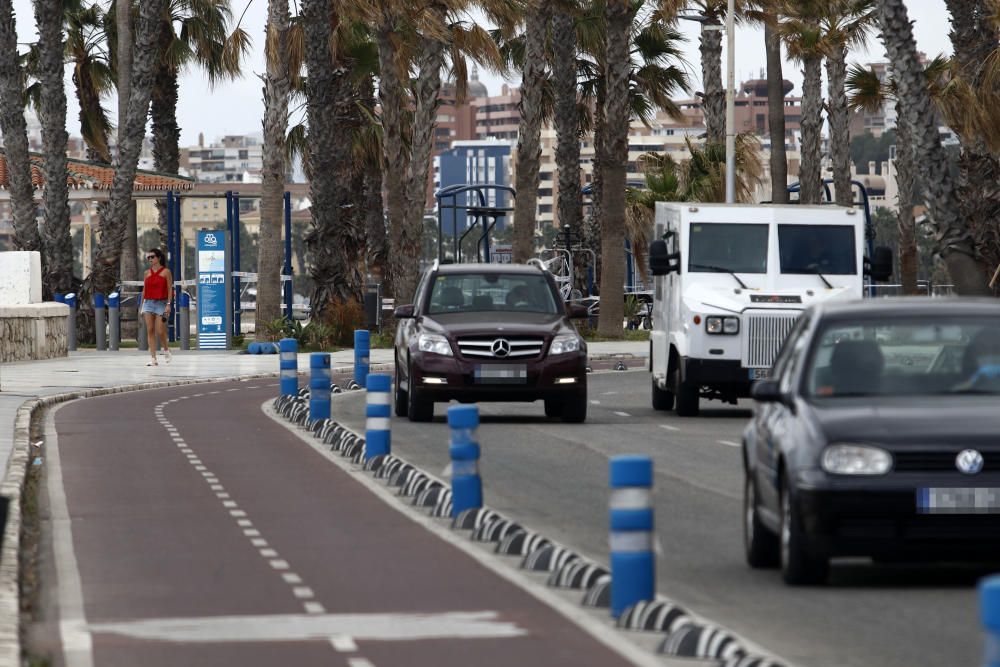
969	461
501	348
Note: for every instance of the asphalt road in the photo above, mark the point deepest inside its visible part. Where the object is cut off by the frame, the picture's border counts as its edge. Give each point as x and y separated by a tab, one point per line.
184	526
553	477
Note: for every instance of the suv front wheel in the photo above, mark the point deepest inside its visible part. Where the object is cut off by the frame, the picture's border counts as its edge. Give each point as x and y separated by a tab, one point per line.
419	408
574	410
401	401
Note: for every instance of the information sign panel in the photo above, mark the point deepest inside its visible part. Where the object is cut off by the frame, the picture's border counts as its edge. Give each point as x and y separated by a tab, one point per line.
213	291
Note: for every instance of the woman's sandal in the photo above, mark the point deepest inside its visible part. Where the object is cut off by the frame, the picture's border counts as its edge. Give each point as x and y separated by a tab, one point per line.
152	362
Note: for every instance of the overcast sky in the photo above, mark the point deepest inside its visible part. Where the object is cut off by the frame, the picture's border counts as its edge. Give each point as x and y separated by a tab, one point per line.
237	108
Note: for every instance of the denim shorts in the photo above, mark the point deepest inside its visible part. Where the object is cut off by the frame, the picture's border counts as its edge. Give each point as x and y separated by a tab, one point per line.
154	306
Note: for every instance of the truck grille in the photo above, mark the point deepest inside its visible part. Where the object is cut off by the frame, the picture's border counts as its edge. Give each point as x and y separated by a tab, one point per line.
763	334
501	347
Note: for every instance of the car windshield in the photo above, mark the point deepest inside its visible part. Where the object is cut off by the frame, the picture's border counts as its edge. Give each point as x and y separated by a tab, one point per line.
715	247
893	358
478	292
827	249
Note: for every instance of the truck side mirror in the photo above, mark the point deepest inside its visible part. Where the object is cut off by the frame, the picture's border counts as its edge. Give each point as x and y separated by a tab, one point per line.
661	260
880	267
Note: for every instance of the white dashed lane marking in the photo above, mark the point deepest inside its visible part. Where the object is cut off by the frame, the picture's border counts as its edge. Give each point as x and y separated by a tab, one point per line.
622	414
359	662
343	644
728	443
668	427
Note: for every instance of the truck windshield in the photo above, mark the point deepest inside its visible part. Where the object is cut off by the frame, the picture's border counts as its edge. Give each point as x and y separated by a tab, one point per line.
717	247
826	249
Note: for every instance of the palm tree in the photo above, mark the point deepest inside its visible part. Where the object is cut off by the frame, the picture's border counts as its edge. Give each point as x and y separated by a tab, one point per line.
15	135
765	12
58	274
277	89
93	77
844	24
955	243
529	149
800	30
105	274
566	116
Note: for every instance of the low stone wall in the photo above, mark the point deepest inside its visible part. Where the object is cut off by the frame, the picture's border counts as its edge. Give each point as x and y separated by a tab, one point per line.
36	331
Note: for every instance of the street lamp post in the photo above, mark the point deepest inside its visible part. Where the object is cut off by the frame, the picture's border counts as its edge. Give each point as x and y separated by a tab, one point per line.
730	105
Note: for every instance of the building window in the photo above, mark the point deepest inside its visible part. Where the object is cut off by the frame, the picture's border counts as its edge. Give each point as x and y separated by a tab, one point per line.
545	208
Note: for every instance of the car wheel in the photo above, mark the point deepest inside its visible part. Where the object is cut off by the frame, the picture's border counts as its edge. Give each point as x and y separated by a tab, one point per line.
762	547
400	398
419	408
574	410
687	397
663	399
799	565
553	408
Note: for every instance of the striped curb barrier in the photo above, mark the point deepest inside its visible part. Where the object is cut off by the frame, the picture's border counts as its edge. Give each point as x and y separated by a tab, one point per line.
656	616
703	641
521	543
599	595
373	463
444	507
495	531
578	575
430	496
548	558
378	423
633	563
472	519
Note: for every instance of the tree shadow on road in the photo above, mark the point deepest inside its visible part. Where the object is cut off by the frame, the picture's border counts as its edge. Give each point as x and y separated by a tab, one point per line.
860	574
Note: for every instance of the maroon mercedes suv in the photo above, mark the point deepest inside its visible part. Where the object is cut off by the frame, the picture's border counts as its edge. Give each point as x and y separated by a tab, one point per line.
489	332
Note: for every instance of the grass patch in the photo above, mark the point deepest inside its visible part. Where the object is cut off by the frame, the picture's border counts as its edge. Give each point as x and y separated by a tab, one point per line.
628	335
383	341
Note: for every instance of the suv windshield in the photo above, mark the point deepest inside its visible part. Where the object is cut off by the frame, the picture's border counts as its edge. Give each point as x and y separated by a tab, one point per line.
724	247
823	248
906	357
478	292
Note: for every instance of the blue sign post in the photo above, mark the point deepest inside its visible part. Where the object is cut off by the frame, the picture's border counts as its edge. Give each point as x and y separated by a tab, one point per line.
214	296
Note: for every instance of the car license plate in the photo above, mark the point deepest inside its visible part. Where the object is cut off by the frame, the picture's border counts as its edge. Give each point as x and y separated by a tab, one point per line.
958	501
760	374
502	374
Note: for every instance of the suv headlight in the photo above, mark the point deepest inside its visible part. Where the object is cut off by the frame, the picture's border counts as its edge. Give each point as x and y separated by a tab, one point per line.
849	459
564	344
434	343
729	326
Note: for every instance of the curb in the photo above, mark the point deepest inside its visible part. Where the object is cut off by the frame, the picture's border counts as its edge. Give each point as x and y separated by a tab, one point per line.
682	635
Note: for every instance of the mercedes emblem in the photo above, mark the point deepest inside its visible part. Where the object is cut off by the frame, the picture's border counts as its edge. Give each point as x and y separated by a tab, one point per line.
969	461
501	348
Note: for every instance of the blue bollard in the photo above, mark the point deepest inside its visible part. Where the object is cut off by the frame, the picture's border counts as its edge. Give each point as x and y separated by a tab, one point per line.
319	386
185	313
362	347
633	564
289	365
58	298
378	437
989	604
466	485
70	300
114	321
100	330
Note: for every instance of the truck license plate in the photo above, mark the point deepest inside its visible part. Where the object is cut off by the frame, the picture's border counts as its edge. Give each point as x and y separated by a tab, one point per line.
760	374
958	501
502	374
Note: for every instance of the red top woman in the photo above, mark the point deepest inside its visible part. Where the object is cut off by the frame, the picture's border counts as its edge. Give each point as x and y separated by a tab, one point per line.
157	299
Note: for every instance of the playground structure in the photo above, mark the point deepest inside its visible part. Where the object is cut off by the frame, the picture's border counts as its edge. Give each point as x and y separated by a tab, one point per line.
479	216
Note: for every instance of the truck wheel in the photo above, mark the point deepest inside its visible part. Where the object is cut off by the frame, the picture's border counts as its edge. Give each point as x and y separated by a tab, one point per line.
574	410
663	399
553	408
688	396
799	565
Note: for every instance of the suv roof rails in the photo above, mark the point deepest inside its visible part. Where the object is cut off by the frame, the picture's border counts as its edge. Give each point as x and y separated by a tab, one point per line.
534	261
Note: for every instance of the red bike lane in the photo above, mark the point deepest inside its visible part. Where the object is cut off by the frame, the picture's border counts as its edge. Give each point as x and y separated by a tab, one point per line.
205	533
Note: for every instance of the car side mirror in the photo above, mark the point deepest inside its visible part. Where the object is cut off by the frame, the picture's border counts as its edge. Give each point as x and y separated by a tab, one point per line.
577	312
880	266
403	312
767	391
661	260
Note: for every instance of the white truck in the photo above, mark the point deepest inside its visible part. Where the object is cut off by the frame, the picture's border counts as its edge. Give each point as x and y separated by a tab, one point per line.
730	282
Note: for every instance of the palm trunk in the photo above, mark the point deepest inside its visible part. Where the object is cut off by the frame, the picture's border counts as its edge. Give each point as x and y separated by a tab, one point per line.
129	267
529	147
334	242
376	240
776	115
277	87
58	274
166	132
909	260
426	87
714	102
810	175
595	223
954	242
618	19
567	122
393	109
15	136
839	119
109	248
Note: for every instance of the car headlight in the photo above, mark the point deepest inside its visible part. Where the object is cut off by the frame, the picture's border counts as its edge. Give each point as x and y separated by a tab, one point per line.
848	459
564	344
434	343
729	326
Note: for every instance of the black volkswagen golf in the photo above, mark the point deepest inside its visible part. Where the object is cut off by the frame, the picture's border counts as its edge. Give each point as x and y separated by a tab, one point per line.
877	435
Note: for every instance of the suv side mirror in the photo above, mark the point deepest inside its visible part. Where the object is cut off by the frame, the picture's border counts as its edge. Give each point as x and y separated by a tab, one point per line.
880	266
576	311
661	261
403	312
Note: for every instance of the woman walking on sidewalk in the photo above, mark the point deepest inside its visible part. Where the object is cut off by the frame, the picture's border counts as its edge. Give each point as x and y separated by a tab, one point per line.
157	299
